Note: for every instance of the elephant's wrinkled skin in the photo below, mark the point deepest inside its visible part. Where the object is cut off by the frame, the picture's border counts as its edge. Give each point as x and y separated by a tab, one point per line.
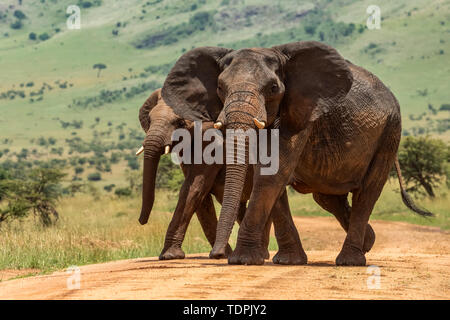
339	133
201	181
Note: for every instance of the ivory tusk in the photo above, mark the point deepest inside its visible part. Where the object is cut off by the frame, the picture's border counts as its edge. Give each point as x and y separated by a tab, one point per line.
218	125
259	124
167	149
141	149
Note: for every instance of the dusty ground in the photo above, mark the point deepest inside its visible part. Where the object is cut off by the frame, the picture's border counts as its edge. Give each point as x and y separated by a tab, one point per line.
413	261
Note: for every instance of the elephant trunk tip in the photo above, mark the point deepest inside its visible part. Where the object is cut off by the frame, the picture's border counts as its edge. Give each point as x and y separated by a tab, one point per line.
143	218
218	253
143	221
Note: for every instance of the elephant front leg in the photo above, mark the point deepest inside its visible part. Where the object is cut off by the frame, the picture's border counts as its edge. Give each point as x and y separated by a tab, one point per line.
249	248
267	189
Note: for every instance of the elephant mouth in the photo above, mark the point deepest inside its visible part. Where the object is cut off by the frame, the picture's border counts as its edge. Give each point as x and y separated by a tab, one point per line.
243	108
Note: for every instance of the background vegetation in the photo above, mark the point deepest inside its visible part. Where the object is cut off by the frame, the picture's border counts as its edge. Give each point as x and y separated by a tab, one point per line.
69	101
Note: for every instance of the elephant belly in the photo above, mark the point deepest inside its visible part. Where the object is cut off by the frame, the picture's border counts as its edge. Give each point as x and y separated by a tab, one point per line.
333	168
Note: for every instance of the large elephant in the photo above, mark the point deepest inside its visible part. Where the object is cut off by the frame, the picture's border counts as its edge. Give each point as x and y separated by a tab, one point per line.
339	133
202	181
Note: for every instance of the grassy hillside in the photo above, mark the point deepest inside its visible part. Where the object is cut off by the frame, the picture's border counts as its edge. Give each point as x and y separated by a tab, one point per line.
409	53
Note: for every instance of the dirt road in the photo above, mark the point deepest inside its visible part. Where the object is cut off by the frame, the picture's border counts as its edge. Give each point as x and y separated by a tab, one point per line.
413	262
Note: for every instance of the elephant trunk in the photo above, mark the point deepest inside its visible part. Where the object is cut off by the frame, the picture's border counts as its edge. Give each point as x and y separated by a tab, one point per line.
240	112
153	147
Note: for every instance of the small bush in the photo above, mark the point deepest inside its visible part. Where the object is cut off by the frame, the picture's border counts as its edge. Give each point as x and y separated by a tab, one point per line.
32	36
86	4
96	176
109	187
445	107
44	36
17	24
19	15
79	170
123	192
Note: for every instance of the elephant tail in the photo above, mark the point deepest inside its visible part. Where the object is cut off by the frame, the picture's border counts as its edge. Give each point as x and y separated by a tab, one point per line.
405	196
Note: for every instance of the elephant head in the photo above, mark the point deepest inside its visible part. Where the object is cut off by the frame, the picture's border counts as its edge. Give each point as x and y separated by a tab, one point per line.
255	86
158	121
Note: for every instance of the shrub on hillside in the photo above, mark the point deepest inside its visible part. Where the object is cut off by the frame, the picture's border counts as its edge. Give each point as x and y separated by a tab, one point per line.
44	36
123	192
109	187
16	25
96	176
19	15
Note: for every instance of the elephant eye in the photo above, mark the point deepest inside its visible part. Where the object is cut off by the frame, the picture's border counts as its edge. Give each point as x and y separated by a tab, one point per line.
274	88
180	123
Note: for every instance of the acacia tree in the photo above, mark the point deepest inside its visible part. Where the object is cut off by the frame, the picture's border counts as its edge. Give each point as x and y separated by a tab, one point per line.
423	161
100	67
36	191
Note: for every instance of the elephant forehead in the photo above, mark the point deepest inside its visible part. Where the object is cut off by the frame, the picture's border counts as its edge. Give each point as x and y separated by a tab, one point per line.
255	60
259	54
162	111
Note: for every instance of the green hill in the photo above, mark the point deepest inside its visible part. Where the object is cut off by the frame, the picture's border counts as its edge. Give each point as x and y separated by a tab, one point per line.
49	87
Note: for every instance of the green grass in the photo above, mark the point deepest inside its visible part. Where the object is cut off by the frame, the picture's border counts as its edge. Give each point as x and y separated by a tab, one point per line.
92	231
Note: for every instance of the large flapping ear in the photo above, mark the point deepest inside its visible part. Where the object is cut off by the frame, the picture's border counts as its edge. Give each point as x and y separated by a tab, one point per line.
144	111
316	77
191	86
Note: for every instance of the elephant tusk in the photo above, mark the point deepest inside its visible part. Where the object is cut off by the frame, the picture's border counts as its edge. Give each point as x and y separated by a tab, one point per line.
167	149
259	124
141	149
218	125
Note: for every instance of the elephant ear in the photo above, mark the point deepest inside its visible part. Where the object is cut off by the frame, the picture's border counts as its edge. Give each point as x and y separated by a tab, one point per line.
144	111
191	86
316	77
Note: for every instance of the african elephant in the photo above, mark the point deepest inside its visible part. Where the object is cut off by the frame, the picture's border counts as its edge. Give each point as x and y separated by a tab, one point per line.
201	181
340	129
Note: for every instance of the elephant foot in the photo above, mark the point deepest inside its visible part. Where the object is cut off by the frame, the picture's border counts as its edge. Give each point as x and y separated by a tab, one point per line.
265	253
350	256
220	253
246	256
172	253
290	258
369	239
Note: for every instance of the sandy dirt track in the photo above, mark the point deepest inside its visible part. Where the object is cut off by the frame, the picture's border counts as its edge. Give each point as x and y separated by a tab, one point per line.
414	263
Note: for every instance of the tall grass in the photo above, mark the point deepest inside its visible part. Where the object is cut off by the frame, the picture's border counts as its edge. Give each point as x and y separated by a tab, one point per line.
91	231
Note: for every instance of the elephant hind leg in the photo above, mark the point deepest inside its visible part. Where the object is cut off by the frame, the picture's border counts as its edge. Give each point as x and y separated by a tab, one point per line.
338	206
195	188
363	201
